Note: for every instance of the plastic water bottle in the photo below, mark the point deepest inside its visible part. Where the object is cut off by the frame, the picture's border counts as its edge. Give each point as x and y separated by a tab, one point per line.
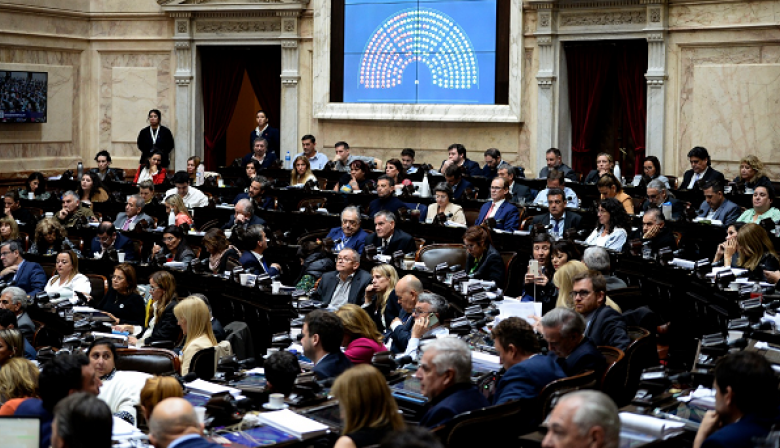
287	161
666	208
425	190
757	292
80	171
616	171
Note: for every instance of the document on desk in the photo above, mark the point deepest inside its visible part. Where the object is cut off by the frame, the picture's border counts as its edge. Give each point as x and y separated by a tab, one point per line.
211	388
651	426
293	423
516	308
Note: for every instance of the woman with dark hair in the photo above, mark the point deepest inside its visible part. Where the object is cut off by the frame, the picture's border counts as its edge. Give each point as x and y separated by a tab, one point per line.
763	198
67	280
540	287
301	172
222	255
610	232
357	178
176	247
104	170
609	186
444	204
562	252
729	245
51	238
251	169
315	262
155	137
91	189
196	171
483	262
121	389
122	302
605	164
756	252
35	184
395	169
150	169
651	167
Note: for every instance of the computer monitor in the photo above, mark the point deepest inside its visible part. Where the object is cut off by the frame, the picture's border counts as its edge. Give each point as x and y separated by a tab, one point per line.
20	432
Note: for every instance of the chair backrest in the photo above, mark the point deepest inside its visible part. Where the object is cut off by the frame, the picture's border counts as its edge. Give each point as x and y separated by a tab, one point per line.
45	337
434	254
641	353
99	286
154	361
196	249
36	211
312	236
204	364
510	265
627	298
503	423
314	203
471	215
48	268
558	388
138	247
26	239
614	378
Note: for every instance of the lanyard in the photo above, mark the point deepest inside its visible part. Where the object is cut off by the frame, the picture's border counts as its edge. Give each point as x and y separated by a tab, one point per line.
154	135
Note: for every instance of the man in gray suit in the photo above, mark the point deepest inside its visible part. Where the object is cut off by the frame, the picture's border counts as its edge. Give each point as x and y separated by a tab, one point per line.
347	284
133	214
716	206
14	299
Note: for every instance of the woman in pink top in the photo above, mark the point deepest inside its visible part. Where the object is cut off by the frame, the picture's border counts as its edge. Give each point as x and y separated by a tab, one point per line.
361	337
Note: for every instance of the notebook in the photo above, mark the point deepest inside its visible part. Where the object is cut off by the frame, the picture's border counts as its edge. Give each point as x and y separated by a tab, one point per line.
292	423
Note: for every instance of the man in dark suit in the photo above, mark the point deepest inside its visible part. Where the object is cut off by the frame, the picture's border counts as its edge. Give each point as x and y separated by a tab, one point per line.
745	403
446	381
700	170
518	190
14	299
716	206
385	189
244	215
261	153
107	237
133	214
555	162
387	238
493	163
13	208
558	217
350	234
347	284
564	331
456	156
322	335
25	274
605	325
506	214
654	231
265	131
455	180
254	244
408	290
174	420
526	373
657	196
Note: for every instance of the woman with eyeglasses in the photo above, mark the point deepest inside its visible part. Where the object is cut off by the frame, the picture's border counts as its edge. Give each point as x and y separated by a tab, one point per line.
176	247
51	238
610	232
160	322
651	168
122	303
67	280
444	205
357	178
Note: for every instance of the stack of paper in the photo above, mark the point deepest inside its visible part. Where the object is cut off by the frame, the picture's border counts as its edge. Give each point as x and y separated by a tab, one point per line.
485	362
651	426
292	423
211	388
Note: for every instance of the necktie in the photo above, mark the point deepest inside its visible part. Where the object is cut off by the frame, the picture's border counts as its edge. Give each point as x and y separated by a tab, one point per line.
556	229
127	224
384	245
490	210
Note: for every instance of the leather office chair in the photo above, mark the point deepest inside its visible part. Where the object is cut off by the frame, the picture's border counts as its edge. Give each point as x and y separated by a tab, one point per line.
204	364
501	425
434	254
640	354
48	268
471	215
614	378
26	239
558	388
154	361
312	236
99	285
44	337
627	298
313	203
511	269
36	211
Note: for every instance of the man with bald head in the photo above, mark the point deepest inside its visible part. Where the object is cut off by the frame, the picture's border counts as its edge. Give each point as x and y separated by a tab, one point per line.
174	424
408	290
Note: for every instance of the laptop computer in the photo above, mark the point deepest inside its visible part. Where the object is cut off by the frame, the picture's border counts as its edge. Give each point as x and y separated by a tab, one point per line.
20	432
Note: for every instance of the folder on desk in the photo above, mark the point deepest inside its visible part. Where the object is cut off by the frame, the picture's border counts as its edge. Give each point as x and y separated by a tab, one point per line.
292	423
657	428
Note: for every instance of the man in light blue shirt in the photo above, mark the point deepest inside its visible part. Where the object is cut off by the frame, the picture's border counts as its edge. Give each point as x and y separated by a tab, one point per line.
555	180
317	159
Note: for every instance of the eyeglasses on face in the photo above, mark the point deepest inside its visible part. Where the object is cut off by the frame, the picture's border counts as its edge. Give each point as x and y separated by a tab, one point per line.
581	293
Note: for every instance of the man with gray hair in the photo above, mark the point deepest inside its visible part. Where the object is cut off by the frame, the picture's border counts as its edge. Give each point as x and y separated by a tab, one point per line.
14	299
72	210
349	235
657	195
583	419
445	378
347	284
427	322
408	290
133	214
596	258
564	331
387	238
244	215
175	423
25	274
654	232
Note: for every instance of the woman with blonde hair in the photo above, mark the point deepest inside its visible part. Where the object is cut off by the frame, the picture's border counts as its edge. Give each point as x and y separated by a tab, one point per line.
610	187
361	337
174	205
301	172
752	174
51	238
160	323
18	382
564	281
9	230
756	252
157	389
11	345
194	318
379	294
67	279
605	163
196	171
367	407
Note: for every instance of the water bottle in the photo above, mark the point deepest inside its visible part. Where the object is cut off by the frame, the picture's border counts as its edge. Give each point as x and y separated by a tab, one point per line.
666	208
80	171
757	292
287	161
198	178
616	171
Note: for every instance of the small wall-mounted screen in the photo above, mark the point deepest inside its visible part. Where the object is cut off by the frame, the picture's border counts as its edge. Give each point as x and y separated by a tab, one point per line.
23	97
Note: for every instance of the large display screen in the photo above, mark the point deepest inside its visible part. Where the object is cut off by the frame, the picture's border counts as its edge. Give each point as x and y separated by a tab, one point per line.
23	97
420	51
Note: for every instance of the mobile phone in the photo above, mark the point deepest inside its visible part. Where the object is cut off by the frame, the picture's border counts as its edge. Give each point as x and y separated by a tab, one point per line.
432	320
533	268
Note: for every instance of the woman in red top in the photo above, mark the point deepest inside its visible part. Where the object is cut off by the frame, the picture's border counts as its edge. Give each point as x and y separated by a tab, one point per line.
151	170
361	337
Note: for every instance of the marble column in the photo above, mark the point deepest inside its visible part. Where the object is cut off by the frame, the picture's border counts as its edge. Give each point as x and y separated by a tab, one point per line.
546	131
656	77
185	140
288	134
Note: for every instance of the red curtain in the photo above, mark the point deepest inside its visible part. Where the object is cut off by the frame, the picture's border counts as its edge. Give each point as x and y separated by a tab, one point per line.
588	67
223	74
631	68
264	67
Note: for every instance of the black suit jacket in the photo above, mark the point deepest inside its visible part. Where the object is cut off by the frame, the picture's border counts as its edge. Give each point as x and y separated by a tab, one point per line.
399	241
122	243
586	356
608	327
491	268
164	144
402	333
710	175
167	328
332	365
571	220
252	221
330	280
521	191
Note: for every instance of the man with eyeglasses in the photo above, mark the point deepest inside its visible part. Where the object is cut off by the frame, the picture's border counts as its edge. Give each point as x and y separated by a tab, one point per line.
243	216
604	326
506	214
108	240
657	195
427	322
14	299
558	218
349	235
347	284
133	214
564	331
27	275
